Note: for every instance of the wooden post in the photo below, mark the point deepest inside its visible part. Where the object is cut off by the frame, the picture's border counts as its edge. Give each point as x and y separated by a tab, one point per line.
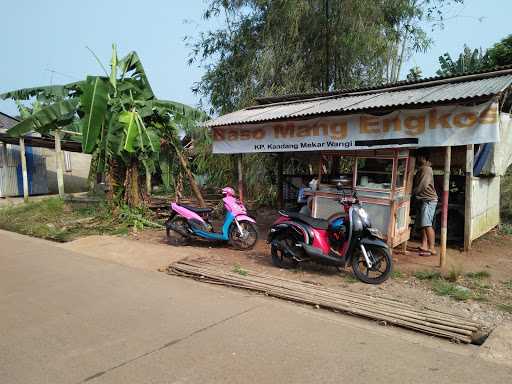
59	164
24	169
280	197
408	192
468	197
444	210
319	169
240	178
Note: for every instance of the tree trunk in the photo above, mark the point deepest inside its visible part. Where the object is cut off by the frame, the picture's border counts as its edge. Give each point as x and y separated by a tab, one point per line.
93	172
113	179
132	191
195	188
178	187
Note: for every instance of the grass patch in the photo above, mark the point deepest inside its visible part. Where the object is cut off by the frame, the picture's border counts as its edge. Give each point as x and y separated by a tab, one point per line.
505	229
57	220
504	307
238	269
478	275
453	275
447	288
396	274
508	284
427	275
351	279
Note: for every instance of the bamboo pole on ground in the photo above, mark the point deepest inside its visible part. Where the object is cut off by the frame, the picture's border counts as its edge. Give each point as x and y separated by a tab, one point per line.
24	169
388	311
59	163
444	210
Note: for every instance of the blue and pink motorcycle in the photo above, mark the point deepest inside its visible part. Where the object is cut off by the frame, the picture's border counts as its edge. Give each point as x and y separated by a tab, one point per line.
239	229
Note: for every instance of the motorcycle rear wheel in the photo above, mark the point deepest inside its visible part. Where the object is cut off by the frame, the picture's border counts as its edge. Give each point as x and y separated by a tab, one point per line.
175	237
379	272
280	260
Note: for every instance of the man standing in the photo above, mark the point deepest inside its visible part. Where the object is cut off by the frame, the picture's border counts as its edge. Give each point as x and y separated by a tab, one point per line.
426	195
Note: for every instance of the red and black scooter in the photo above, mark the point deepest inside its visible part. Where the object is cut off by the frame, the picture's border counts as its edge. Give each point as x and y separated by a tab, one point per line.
347	238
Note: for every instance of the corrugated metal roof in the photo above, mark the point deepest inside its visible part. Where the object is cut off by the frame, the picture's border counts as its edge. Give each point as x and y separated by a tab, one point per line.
381	98
7	122
496	71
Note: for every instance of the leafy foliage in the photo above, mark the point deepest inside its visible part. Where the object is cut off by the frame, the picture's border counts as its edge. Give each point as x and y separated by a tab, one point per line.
282	47
500	54
414	74
468	61
121	121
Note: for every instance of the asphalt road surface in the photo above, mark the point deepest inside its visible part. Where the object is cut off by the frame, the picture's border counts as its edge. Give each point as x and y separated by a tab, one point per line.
70	318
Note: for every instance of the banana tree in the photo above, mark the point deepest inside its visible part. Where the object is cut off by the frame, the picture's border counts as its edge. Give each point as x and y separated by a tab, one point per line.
121	122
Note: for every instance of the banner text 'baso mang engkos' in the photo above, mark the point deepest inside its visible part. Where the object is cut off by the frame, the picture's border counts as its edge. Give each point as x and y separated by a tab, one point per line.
438	126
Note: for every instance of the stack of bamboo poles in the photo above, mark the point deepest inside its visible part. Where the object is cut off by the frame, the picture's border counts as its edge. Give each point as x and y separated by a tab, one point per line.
387	312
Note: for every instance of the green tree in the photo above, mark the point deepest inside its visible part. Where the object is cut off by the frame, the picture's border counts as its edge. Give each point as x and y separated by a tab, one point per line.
122	124
468	61
269	47
414	74
500	54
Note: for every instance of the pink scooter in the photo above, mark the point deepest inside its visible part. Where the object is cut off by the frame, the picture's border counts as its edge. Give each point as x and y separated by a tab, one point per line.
238	229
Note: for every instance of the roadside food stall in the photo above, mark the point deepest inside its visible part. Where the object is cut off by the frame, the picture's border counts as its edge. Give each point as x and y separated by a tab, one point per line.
365	139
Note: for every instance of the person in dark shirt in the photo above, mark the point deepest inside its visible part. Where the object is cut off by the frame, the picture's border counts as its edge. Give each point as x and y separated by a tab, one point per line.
426	195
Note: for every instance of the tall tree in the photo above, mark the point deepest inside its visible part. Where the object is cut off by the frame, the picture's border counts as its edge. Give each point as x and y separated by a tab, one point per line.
500	53
269	47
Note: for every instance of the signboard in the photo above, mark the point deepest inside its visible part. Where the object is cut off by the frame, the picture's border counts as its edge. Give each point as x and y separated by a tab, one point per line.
433	127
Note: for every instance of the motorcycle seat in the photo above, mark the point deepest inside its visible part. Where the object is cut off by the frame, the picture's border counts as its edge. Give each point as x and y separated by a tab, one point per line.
197	209
315	223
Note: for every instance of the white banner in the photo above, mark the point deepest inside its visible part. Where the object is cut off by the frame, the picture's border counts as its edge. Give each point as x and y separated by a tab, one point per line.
433	127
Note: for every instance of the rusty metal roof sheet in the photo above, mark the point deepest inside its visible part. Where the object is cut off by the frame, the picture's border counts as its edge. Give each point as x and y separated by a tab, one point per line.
7	122
425	93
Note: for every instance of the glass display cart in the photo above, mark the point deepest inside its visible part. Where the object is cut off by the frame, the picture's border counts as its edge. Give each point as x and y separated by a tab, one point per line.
383	182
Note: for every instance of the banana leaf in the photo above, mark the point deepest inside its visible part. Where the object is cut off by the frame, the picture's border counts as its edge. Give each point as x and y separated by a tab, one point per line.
131	62
94	102
131	129
48	91
47	118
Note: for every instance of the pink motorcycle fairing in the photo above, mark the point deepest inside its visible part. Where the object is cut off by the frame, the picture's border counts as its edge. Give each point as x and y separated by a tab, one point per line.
187	214
231	204
246	218
237	208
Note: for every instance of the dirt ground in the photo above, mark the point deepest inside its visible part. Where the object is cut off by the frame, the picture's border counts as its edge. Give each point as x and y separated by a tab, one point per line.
492	254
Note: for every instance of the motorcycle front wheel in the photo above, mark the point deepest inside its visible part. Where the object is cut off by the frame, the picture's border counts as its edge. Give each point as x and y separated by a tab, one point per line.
380	270
245	240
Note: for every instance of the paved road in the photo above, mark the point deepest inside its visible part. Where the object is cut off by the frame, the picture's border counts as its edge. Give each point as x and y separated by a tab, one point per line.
69	318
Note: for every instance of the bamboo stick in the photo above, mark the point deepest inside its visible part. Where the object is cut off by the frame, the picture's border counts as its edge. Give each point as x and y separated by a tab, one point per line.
427	321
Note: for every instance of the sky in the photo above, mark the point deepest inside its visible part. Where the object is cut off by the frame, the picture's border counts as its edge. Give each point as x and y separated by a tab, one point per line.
45	42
